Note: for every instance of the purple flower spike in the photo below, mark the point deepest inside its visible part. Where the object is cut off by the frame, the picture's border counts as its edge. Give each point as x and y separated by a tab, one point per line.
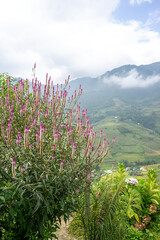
54	147
18	140
41	127
61	162
90	145
13	161
26	130
37	134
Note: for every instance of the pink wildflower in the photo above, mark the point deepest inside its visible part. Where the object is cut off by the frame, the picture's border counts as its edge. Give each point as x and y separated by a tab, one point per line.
56	137
46	113
89	149
41	139
18	140
73	149
54	147
61	165
26	130
13	166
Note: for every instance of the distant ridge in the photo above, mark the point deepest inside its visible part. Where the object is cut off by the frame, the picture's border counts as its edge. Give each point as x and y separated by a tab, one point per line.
142	92
144	70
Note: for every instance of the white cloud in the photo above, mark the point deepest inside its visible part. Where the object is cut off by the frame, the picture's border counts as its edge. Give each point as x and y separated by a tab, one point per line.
132	80
70	37
153	19
139	1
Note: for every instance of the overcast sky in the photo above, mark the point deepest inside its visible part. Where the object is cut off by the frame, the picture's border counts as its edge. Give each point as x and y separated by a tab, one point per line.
77	37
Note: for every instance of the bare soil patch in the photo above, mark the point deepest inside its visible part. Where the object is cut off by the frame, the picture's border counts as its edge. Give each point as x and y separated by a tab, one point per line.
63	233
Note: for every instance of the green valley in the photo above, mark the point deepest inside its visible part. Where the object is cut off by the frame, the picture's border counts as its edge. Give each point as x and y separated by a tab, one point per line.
131	114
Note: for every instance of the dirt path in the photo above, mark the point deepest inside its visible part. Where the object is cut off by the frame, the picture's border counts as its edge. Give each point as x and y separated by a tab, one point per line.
63	233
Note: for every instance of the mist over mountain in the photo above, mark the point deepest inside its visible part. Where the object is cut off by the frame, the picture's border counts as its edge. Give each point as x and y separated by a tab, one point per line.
130	92
127	76
125	103
128	82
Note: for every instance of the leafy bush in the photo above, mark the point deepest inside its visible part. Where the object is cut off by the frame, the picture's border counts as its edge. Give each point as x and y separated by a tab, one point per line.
103	220
46	154
133	234
120	207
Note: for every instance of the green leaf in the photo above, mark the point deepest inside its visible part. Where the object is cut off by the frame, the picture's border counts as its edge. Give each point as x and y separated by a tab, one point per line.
130	212
155	201
12	212
53	235
136	217
2	198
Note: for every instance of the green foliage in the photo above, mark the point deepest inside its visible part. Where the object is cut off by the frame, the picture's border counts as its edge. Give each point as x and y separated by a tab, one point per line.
46	154
132	200
149	189
155	224
118	208
133	234
149	235
6	83
104	220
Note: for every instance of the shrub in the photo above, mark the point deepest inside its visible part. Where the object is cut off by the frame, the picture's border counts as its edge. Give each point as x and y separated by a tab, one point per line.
47	153
105	219
120	207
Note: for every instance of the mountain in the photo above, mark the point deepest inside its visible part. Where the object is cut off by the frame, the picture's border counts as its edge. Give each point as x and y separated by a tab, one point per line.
102	92
144	70
125	102
129	82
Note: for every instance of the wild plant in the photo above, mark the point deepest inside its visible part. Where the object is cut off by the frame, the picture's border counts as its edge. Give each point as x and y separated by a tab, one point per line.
47	153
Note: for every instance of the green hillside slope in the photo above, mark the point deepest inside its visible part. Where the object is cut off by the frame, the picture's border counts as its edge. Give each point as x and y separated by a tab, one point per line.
132	115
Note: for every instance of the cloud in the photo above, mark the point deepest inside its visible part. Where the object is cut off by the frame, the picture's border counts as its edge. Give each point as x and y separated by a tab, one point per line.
74	37
132	80
55	34
153	19
139	1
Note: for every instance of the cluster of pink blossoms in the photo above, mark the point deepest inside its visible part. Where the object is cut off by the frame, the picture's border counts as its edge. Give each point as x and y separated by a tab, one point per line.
52	126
